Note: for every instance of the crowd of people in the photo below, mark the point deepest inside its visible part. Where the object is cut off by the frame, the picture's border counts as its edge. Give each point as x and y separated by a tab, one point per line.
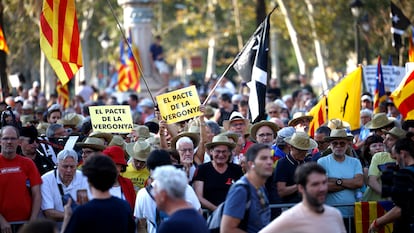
54	168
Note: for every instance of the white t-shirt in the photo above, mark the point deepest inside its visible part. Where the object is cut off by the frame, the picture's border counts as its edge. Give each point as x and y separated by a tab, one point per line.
145	206
51	197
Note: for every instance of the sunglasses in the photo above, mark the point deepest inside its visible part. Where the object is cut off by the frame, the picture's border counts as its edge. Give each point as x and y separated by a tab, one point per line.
341	143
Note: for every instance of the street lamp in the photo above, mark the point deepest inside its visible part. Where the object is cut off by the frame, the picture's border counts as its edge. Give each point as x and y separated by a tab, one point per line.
356	9
105	41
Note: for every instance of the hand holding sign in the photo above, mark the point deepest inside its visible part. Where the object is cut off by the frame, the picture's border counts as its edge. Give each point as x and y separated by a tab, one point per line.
179	105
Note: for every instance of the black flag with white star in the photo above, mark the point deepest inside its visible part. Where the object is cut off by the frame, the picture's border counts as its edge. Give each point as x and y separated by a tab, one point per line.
399	24
252	67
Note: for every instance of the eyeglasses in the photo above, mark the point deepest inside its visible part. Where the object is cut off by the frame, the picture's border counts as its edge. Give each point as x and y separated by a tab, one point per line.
265	135
321	142
341	143
237	124
9	139
272	112
86	152
190	150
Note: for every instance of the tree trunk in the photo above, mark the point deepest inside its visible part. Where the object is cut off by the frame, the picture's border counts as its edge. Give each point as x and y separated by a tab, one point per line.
293	37
318	49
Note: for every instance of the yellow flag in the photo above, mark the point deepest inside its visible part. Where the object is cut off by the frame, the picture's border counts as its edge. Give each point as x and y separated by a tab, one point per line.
344	99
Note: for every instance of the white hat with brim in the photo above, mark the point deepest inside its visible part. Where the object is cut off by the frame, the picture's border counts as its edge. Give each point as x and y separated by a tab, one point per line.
301	141
298	116
339	134
220	140
235	116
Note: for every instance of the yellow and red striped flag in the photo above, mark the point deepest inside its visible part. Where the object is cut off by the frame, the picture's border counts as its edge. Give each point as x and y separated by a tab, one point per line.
59	38
403	97
411	46
3	44
128	72
319	116
367	212
63	94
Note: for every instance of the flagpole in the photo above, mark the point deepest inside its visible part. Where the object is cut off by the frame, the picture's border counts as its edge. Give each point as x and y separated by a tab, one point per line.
133	55
236	58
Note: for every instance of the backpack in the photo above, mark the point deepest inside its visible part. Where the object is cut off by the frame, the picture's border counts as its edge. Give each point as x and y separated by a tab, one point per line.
214	220
160	216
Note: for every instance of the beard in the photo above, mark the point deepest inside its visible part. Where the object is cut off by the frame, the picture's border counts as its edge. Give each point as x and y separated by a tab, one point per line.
314	202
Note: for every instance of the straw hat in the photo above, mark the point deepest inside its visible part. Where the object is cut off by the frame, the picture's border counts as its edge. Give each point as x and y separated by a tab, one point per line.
139	150
42	127
260	124
116	153
235	116
299	116
71	119
142	131
396	132
231	135
338	134
301	141
337	124
220	140
93	143
117	140
193	133
105	136
378	121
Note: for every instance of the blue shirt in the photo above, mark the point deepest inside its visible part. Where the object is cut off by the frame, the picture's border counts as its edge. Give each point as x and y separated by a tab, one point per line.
258	212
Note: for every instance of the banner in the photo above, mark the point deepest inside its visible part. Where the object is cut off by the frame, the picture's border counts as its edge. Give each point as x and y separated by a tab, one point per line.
111	119
179	105
392	77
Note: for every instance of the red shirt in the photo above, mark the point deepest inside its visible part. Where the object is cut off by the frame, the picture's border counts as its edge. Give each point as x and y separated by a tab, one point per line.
16	177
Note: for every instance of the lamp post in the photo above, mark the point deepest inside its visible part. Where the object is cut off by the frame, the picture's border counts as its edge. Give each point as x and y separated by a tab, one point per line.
356	8
105	40
365	28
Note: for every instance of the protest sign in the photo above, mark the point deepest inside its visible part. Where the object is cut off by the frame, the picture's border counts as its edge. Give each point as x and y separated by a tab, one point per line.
111	119
179	105
392	77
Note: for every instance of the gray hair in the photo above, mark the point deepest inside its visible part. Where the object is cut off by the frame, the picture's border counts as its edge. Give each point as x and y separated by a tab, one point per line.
50	131
214	127
67	153
183	140
172	180
366	112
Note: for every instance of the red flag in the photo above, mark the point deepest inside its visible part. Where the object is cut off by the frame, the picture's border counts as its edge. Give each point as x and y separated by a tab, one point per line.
403	96
319	116
59	38
3	44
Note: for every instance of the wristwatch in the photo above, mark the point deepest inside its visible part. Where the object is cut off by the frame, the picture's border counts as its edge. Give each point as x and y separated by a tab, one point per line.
339	182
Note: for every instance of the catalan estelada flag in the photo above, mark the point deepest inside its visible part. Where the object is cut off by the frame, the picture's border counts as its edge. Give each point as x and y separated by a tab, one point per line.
344	100
59	38
128	72
403	96
411	46
367	212
379	93
319	116
3	44
63	94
